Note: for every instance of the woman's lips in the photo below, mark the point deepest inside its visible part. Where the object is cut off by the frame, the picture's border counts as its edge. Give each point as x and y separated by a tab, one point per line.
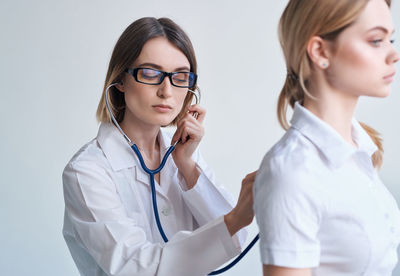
162	108
390	77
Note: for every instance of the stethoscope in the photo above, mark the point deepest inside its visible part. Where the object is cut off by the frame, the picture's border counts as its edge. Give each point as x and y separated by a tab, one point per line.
151	174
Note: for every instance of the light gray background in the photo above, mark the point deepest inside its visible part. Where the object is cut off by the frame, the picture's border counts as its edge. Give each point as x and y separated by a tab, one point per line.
54	56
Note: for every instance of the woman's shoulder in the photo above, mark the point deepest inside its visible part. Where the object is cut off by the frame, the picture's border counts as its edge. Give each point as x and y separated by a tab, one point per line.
293	150
89	154
289	174
291	163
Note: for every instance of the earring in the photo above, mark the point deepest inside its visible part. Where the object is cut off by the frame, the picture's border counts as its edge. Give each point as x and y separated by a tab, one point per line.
324	64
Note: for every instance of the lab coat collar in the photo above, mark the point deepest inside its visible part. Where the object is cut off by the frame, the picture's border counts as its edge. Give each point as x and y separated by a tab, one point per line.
121	156
335	149
118	151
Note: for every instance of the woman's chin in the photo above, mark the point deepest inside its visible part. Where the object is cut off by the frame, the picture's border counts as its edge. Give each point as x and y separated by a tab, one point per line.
384	93
379	93
165	121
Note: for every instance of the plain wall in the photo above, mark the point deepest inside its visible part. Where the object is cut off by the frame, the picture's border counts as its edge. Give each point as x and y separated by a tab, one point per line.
54	57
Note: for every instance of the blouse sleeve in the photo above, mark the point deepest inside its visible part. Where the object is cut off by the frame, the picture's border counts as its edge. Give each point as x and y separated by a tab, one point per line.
288	212
118	243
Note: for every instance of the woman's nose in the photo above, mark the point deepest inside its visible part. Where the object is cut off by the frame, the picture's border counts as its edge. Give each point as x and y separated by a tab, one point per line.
165	88
394	56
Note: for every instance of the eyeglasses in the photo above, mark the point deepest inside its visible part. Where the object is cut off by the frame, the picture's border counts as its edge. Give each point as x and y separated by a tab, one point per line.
155	77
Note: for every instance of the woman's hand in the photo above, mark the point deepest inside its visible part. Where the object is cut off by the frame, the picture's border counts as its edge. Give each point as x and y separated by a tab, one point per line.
243	213
190	131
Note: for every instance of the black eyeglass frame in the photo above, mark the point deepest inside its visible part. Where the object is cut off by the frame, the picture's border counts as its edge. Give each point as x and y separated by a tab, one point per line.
134	72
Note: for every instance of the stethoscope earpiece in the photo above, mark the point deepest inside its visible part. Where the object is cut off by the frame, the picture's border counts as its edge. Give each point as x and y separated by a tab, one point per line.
195	114
195	95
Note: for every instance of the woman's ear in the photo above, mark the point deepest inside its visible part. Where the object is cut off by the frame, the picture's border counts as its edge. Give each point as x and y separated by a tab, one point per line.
318	51
120	86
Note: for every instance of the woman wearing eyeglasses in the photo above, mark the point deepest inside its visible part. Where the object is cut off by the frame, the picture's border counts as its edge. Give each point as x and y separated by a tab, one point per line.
109	224
319	202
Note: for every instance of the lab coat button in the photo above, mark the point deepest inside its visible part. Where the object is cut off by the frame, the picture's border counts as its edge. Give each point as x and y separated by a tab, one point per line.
386	216
166	211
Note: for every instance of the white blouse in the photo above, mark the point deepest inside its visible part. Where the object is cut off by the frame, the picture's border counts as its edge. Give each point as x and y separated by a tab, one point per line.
320	204
109	224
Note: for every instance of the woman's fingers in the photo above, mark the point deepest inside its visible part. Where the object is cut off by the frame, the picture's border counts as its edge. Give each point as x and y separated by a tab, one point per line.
188	127
201	112
177	135
191	132
249	178
187	130
245	202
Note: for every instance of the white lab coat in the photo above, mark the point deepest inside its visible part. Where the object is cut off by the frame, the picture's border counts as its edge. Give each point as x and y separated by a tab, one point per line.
109	224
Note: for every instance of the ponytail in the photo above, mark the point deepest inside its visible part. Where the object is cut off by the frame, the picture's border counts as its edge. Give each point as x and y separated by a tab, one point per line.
293	91
283	104
377	157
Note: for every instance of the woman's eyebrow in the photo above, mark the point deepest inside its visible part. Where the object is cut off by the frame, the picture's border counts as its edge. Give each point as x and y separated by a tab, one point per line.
149	64
158	67
183	68
381	28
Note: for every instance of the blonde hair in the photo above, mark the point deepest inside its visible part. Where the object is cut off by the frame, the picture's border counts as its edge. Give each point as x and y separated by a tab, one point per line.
126	51
300	21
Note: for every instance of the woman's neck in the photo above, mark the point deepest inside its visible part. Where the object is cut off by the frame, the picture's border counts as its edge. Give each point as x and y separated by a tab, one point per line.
142	134
334	107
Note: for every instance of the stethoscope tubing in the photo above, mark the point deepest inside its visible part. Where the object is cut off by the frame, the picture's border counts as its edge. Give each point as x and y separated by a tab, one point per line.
151	173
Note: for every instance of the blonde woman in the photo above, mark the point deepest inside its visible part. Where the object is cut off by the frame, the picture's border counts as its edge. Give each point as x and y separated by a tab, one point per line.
109	224
319	203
